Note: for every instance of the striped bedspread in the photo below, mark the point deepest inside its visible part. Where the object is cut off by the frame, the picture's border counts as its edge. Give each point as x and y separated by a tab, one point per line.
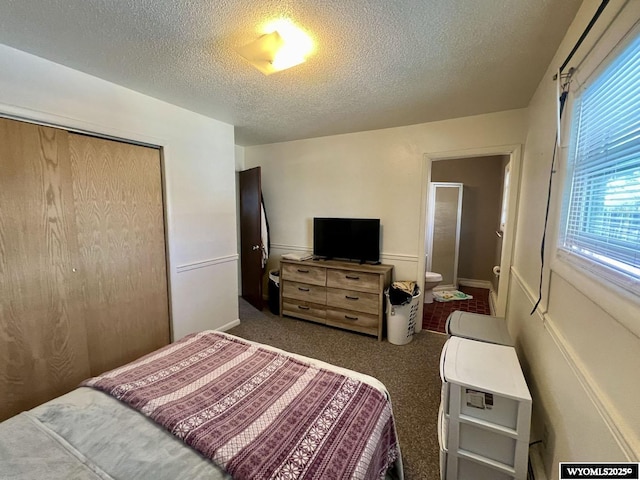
257	413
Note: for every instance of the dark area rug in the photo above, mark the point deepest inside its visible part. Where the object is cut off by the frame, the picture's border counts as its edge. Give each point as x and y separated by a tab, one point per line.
410	373
434	315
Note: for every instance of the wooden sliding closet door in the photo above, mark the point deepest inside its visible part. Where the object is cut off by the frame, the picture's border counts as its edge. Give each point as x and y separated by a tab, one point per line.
117	191
43	351
83	281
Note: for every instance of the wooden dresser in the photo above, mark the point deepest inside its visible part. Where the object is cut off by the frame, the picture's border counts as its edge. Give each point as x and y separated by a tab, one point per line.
341	294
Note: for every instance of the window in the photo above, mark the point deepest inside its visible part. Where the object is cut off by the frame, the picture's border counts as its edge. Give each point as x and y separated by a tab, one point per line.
601	208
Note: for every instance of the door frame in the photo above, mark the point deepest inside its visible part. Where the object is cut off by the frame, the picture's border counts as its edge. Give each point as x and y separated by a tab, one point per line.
515	158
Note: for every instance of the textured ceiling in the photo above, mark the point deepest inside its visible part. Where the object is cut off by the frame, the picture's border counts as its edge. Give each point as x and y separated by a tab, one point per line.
378	63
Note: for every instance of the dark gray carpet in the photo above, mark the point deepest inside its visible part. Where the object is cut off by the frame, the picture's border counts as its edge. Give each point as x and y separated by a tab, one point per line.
410	373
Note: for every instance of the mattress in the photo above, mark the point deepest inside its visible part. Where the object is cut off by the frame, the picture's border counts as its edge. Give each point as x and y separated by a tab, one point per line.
89	434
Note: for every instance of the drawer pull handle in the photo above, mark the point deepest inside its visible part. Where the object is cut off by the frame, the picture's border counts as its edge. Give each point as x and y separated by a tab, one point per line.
303	271
303	307
352	277
349	317
303	289
351	298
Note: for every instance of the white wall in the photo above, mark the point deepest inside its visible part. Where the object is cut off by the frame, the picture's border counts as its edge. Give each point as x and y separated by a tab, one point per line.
198	169
581	349
374	174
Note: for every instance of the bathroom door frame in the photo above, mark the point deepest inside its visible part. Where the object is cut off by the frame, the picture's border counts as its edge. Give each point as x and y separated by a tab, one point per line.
431	211
499	303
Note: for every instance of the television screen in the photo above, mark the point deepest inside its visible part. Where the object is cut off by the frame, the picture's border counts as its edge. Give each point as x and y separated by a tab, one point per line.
347	238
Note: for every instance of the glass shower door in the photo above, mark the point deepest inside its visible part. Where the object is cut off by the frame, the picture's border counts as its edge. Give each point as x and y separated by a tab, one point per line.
443	220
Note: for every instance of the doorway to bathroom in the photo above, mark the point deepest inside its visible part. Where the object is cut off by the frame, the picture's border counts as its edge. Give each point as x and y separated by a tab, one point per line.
489	179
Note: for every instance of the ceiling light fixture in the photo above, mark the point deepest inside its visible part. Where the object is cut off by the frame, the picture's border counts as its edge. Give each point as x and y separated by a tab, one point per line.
282	46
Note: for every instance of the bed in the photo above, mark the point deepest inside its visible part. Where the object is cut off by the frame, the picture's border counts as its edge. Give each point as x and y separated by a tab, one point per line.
212	406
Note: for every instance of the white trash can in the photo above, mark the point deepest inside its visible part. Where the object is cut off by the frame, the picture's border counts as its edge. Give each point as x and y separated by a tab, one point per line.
475	326
274	291
401	320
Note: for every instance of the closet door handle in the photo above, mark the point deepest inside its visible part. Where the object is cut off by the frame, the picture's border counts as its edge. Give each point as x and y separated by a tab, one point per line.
348	297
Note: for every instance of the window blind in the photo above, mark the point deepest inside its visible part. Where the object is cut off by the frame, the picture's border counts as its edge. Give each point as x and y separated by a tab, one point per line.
601	210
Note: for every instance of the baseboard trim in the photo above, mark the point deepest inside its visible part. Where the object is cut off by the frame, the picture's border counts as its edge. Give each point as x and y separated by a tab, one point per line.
228	326
470	282
537	465
493	301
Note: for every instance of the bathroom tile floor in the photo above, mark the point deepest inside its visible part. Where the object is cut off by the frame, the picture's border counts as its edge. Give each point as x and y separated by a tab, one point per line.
435	314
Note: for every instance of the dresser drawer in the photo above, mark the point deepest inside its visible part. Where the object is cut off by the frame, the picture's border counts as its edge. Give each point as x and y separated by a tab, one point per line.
352	300
304	273
360	281
304	292
304	310
350	319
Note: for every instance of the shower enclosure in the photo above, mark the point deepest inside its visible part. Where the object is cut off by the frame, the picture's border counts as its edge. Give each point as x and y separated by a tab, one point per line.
444	216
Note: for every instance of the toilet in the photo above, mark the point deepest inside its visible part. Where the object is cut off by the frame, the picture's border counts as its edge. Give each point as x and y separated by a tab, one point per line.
431	280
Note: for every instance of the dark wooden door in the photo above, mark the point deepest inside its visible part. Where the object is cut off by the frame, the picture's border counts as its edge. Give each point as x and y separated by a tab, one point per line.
250	236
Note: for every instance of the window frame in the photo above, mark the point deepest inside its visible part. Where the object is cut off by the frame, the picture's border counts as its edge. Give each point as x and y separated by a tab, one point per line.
566	262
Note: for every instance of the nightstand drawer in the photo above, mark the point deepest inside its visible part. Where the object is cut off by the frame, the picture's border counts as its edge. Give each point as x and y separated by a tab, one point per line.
362	282
352	300
305	292
304	273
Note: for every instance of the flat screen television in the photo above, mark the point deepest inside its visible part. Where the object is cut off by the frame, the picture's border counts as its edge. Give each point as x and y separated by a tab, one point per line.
347	239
